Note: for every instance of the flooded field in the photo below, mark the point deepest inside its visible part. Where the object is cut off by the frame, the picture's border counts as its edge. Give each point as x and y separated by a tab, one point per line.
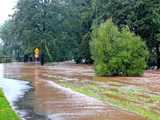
67	91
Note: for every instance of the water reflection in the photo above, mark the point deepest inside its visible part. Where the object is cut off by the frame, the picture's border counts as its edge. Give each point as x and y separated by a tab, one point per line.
13	89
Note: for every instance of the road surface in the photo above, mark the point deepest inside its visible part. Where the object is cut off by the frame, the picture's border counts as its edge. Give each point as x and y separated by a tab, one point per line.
47	100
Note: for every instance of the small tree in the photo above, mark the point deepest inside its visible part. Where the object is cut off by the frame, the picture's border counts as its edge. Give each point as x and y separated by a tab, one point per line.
117	52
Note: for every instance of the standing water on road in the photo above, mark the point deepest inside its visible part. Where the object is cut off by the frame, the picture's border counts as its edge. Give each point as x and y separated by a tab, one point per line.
14	89
46	100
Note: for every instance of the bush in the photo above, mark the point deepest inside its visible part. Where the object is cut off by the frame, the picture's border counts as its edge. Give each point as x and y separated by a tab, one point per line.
117	52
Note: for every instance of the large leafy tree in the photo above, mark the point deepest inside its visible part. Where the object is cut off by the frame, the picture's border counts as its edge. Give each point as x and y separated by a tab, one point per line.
59	27
142	17
10	44
83	16
32	20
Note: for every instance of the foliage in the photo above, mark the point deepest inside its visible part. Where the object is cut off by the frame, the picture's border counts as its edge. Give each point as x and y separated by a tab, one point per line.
117	52
6	113
59	26
6	34
64	27
142	17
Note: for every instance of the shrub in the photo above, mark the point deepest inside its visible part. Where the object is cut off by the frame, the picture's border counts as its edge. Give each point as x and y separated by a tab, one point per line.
117	52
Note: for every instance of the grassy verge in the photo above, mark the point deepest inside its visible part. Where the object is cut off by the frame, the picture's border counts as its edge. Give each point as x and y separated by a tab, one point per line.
6	112
133	99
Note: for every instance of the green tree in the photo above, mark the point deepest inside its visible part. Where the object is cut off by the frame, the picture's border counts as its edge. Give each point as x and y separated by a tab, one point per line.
59	26
117	52
142	17
9	43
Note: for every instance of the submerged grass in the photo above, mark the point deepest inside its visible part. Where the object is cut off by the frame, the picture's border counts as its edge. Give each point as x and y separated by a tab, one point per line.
130	98
6	112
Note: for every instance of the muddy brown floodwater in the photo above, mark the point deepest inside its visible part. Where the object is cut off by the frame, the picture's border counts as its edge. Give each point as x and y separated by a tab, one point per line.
47	100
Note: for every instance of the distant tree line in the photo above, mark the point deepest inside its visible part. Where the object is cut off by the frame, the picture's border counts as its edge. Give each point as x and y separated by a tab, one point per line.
63	27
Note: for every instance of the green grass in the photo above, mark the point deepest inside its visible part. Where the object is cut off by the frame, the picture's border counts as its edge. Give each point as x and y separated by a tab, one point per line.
6	112
131	98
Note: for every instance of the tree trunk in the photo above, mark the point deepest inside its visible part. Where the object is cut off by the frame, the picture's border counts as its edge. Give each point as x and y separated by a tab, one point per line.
158	56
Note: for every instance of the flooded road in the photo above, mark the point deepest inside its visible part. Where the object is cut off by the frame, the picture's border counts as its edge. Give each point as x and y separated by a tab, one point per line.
47	100
14	89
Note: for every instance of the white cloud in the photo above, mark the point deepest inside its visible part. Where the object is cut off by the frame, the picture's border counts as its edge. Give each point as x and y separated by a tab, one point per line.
6	8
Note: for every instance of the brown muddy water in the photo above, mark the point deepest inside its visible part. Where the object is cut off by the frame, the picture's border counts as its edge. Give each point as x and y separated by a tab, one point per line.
43	99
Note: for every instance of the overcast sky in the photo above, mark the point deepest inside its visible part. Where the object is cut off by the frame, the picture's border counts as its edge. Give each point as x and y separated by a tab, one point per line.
6	8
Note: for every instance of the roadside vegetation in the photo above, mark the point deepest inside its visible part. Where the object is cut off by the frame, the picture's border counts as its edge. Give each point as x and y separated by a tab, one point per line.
6	112
118	52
